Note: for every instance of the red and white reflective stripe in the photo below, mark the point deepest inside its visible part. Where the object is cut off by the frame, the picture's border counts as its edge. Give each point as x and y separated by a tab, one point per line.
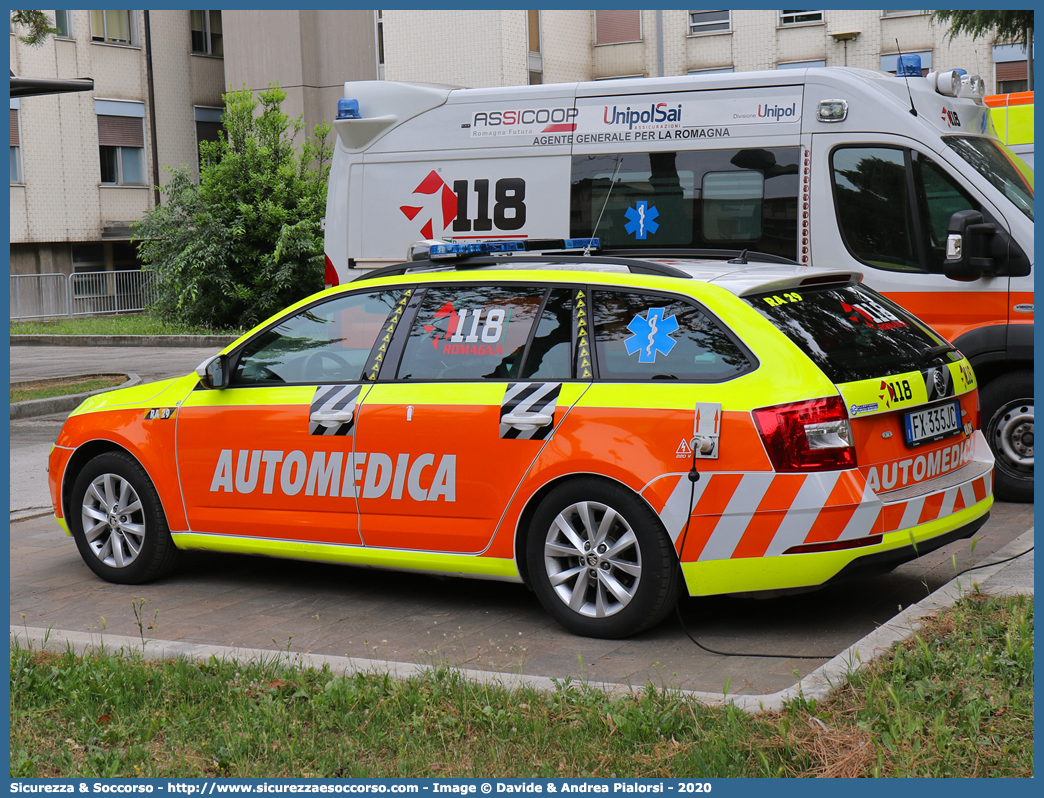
762	514
934	506
757	514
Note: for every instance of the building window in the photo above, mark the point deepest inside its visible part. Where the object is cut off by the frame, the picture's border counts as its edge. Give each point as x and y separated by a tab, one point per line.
379	23
63	21
206	32
1009	62
709	21
16	145
534	58
121	142
208	127
889	63
714	71
801	64
903	12
799	17
114	27
616	27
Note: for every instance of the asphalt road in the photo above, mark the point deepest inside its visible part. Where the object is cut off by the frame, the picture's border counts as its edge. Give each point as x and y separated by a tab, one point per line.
340	610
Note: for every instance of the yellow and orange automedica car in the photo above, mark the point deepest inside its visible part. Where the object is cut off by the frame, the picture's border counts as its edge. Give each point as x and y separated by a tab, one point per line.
608	430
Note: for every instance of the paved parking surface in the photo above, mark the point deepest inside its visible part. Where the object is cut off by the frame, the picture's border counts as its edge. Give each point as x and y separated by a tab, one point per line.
339	610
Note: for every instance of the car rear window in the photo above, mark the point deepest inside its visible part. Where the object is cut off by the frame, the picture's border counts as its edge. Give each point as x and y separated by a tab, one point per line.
851	332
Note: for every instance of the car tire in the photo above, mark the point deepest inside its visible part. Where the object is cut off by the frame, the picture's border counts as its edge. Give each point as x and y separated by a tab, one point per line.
118	522
612	575
1007	418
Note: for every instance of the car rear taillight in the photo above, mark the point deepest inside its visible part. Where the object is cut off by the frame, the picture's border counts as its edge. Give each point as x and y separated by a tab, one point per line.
331	273
807	436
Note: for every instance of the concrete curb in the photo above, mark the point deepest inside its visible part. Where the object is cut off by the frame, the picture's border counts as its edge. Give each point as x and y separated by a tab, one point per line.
64	404
817	685
203	341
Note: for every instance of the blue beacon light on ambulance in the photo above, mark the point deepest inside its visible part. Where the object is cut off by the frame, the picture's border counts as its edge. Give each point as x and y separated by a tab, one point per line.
348	108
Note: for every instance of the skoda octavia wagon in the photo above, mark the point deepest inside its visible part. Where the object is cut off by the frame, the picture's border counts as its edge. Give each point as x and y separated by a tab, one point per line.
611	431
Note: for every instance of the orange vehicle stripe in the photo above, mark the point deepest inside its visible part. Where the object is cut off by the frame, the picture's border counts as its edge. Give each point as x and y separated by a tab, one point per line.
892	516
762	527
834	516
979	486
932	505
708	511
1015	98
958	503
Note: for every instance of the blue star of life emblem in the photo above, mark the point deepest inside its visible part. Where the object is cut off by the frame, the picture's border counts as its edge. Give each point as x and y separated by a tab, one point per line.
643	220
651	335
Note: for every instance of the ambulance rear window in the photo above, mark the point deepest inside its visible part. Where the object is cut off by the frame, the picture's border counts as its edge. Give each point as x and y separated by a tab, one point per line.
850	332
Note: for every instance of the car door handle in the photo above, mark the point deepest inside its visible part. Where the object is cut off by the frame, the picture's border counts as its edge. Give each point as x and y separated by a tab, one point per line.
527	422
329	418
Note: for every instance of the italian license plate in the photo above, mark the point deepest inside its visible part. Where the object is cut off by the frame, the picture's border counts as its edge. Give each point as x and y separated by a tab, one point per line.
932	423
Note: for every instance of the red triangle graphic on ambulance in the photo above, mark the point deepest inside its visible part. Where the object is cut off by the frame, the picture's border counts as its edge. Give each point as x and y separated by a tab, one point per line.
410	211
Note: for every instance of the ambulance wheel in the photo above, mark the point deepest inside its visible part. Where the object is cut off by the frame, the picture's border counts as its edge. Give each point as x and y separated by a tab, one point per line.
1007	414
117	521
600	561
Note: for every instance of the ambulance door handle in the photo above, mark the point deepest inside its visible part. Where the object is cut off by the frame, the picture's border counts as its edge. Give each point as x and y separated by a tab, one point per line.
331	417
527	422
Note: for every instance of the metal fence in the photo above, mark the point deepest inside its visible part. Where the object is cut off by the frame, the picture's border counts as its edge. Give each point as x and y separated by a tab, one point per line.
37	296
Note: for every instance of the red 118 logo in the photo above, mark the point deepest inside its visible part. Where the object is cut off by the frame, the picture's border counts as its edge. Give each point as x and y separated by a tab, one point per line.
509	209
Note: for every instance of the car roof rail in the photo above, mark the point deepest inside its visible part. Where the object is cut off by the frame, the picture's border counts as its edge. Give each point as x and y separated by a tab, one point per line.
739	255
478	262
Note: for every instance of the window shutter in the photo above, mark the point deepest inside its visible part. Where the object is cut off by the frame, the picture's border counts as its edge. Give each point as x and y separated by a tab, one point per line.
1011	70
15	142
617	26
120	131
207	131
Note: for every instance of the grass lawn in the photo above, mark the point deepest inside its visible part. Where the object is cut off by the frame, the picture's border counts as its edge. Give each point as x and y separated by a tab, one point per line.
956	700
140	324
42	390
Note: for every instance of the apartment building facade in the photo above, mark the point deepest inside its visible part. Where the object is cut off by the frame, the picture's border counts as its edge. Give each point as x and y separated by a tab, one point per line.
83	165
481	48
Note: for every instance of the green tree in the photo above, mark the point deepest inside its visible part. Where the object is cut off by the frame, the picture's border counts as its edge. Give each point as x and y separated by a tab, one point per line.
37	23
245	241
1015	27
1010	26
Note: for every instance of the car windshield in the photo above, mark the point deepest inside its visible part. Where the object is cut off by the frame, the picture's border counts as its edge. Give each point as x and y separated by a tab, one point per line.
1003	168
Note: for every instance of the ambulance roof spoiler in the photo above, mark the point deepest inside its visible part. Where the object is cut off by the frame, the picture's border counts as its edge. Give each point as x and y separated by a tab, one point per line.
798	281
370	108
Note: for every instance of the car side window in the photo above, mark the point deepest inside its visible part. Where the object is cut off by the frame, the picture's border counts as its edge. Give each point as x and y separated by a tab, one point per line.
872	198
327	342
470	332
641	336
550	354
940	197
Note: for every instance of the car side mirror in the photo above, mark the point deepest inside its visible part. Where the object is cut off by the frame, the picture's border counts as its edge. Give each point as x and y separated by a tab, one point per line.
213	372
967	242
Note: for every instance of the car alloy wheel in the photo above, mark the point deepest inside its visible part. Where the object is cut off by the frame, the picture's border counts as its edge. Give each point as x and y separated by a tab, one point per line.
113	520
592	559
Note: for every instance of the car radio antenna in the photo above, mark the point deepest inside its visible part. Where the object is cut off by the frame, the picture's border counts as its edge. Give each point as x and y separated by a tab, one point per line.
905	77
612	181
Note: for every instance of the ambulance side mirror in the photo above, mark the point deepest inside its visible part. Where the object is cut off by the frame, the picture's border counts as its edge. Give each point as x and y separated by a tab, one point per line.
213	373
967	243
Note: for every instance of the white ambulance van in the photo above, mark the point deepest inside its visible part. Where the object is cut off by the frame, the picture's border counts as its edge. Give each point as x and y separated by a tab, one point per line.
901	177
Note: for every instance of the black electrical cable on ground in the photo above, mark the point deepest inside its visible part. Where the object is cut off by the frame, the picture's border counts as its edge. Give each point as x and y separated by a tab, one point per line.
998	562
